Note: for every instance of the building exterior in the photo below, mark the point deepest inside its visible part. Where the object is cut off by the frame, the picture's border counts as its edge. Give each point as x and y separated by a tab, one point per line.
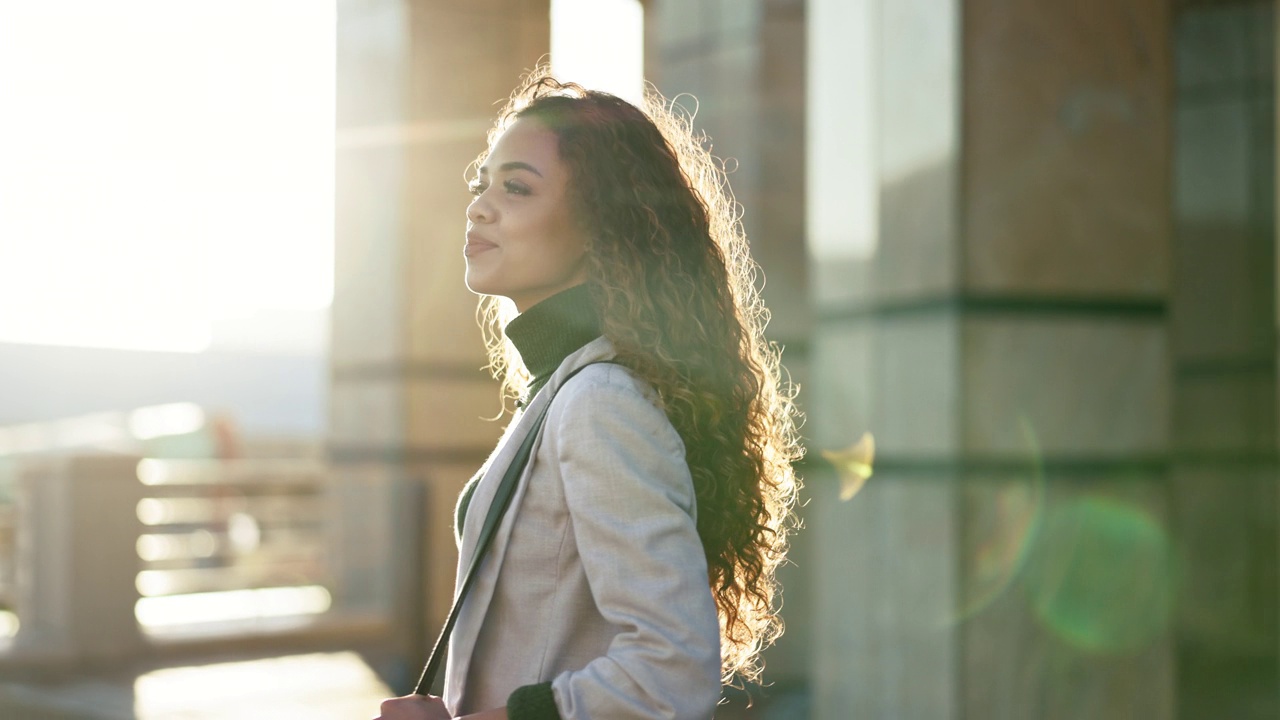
1035	259
1030	248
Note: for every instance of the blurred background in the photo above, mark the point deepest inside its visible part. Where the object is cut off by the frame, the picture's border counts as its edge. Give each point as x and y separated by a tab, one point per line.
1029	248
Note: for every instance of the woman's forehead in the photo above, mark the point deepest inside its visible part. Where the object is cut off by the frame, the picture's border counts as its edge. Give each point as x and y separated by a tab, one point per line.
529	142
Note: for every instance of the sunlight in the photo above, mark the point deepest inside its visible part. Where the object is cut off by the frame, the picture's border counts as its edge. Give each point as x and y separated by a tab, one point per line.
8	624
842	185
250	604
319	686
103	431
155	421
600	44
167	164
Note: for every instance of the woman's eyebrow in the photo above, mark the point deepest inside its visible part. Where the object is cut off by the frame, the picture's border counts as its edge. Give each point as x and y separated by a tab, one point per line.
513	165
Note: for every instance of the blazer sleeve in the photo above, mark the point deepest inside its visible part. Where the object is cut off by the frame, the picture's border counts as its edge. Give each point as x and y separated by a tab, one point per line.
631	504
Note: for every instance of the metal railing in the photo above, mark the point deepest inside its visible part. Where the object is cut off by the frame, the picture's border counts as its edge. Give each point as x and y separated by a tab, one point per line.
213	530
102	556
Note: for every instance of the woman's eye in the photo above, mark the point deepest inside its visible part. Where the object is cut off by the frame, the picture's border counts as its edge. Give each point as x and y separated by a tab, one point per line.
516	188
475	187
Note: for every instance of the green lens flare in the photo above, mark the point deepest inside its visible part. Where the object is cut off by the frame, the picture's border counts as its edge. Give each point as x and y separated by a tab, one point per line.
1101	576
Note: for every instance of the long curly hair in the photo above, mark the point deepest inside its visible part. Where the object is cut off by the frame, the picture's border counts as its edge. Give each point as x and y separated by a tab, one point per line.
670	272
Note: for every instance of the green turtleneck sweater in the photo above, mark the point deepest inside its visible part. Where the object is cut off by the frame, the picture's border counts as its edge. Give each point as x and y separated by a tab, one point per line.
544	335
548	332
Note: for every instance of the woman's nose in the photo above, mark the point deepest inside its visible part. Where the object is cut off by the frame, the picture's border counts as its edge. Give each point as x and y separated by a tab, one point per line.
479	211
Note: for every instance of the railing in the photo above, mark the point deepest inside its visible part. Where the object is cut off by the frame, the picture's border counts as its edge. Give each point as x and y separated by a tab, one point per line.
231	541
103	556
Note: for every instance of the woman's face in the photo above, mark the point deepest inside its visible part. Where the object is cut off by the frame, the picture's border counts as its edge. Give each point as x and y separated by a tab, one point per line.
522	241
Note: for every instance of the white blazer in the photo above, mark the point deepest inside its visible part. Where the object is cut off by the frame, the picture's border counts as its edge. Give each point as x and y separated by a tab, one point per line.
596	579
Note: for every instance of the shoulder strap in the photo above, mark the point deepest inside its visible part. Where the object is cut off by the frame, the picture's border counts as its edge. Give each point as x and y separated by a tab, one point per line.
497	508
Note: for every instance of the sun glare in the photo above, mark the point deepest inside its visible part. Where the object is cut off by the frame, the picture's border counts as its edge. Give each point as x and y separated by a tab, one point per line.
600	44
166	164
8	624
318	686
212	607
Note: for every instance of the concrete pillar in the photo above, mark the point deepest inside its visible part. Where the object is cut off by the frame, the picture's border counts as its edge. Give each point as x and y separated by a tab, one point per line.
77	560
1224	355
417	86
997	315
741	65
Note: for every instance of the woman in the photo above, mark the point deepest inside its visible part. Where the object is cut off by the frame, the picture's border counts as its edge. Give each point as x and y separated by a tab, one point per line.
634	570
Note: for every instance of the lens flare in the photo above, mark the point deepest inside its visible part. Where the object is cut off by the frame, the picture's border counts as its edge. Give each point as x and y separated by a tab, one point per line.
9	624
1004	517
1102	578
853	464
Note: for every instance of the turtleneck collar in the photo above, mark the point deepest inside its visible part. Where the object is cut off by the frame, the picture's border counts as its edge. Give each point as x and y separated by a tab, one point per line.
548	332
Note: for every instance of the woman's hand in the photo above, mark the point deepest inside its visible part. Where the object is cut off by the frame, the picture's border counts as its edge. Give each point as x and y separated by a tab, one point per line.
414	707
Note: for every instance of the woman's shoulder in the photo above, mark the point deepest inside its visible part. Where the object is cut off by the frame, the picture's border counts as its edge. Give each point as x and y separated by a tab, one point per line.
606	410
600	380
592	387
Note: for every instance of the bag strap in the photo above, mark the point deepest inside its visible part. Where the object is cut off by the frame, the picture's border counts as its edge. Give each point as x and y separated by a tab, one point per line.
497	508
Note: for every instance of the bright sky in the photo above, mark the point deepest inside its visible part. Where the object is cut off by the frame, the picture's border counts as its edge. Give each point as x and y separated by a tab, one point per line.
166	164
842	184
169	164
600	44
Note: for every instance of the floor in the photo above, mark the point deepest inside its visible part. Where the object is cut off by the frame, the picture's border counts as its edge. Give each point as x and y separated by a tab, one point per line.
314	686
318	686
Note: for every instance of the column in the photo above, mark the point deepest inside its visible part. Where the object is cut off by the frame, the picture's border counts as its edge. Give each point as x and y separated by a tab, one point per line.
417	85
741	66
77	560
1224	359
992	296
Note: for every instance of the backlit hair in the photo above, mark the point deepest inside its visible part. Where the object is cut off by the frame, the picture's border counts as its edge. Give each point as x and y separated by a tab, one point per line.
670	272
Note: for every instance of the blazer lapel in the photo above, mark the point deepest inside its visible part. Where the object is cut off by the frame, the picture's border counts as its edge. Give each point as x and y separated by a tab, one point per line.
471	616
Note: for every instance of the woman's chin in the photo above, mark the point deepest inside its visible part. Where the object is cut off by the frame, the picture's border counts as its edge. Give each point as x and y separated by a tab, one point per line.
485	289
476	283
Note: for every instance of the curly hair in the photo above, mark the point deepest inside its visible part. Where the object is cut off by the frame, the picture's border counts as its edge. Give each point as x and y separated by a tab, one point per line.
668	267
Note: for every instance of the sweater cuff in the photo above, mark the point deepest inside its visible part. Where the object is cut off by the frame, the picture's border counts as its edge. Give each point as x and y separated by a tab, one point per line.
533	702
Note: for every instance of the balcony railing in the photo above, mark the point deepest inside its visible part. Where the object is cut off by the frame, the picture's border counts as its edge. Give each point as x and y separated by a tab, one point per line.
102	557
231	540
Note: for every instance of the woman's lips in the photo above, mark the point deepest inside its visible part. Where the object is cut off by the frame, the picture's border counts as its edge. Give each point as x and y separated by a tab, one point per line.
476	245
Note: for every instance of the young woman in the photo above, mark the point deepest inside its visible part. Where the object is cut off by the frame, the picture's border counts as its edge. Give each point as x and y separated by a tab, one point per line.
634	570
